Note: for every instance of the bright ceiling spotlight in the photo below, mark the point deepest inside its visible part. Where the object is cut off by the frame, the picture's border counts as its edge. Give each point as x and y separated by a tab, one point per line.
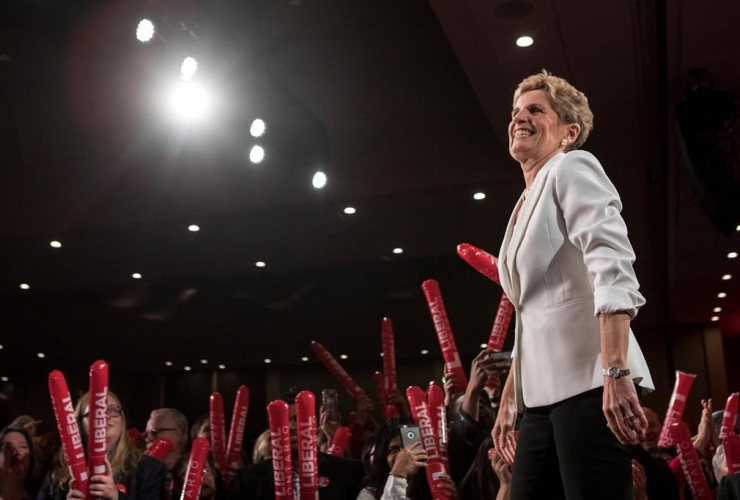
304	358
258	127
136	276
41	355
187	368
4	379
479	196
732	255
524	41
343	356
424	351
721	295
257	154
55	244
717	310
382	354
188	68
204	361
221	367
715	318
268	360
193	228
483	346
350	210
398	251
737	228
25	286
168	363
145	30
319	180
189	102
726	277
259	263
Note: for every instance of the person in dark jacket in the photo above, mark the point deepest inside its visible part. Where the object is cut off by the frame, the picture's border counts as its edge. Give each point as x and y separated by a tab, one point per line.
131	475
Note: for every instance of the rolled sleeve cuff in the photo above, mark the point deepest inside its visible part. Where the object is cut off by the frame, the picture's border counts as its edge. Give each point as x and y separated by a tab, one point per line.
609	300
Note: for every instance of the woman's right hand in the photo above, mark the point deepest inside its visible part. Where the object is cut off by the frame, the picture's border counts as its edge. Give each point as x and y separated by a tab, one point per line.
409	461
74	494
505	420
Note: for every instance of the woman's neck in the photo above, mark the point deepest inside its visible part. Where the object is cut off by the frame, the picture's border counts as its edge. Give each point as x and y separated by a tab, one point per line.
530	167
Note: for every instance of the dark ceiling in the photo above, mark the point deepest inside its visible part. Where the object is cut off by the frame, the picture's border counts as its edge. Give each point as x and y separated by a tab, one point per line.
404	104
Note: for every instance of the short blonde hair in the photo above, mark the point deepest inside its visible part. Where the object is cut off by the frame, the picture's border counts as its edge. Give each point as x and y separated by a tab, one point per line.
569	103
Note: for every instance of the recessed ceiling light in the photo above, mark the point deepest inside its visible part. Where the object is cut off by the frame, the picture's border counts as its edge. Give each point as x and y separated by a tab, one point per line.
524	41
259	263
483	346
304	358
732	255
168	363
721	295
268	360
1	346
221	367
136	276
398	251
726	277
24	286
717	310
319	180
382	354
204	361
350	210
188	68
4	379
479	196
715	318
193	228
424	351
257	154
145	30
258	127
737	228
187	368
344	356
55	244
41	355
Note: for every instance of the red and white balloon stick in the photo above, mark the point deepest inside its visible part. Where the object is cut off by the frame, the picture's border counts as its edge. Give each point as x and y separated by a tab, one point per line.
482	261
379	379
98	411
730	416
689	460
159	449
308	465
676	406
236	434
389	355
731	443
194	475
218	431
336	369
340	441
420	411
501	324
277	412
438	416
69	431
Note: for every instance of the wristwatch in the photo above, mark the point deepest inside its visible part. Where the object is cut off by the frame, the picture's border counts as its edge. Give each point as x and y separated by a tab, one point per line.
615	372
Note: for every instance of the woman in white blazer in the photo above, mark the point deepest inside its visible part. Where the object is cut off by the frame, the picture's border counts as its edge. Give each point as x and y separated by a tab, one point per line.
566	265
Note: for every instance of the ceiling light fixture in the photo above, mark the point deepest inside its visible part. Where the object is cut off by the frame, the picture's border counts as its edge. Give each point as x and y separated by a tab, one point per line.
479	196
319	180
717	310
190	102
257	154
483	346
41	355
258	127
343	356
204	361
721	295
524	41
187	368
24	286
168	363
259	263
145	30
268	360
382	354
398	251
715	318
304	358
136	276
726	277
732	255
424	351
193	228
55	244
4	379
350	210
188	68
1	346
221	367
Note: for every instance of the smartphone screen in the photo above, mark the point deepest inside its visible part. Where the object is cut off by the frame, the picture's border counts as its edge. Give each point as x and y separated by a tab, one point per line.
330	402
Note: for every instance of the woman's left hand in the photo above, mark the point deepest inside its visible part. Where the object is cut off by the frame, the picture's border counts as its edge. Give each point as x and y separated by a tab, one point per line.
104	486
624	416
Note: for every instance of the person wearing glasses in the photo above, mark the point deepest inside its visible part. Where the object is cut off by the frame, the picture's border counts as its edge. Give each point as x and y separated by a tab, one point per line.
168	423
131	475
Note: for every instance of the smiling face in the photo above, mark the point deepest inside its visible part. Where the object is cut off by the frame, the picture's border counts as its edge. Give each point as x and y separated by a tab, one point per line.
535	132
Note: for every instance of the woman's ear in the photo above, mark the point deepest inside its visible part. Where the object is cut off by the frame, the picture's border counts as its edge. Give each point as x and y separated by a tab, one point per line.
574	130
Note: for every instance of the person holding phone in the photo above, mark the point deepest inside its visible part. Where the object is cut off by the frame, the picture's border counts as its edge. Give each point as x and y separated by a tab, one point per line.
566	265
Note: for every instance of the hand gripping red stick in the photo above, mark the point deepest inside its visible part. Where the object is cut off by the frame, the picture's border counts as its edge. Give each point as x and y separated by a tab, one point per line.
501	324
482	261
98	411
282	468
74	451
444	334
194	474
308	465
159	449
389	355
676	406
236	434
438	416
689	460
336	369
420	412
380	388
218	431
730	415
731	443
340	441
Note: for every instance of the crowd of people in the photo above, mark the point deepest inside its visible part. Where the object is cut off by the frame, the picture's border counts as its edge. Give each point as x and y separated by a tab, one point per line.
376	464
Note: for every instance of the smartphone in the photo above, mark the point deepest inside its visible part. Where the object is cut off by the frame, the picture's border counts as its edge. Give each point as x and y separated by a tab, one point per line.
502	359
410	434
330	402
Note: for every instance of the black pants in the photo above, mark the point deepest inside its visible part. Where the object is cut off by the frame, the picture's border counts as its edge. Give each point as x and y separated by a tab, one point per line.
565	450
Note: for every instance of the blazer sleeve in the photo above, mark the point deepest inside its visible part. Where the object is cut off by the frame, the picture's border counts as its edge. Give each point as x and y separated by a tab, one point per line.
591	209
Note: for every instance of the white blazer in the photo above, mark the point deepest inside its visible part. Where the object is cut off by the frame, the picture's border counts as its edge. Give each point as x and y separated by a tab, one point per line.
567	259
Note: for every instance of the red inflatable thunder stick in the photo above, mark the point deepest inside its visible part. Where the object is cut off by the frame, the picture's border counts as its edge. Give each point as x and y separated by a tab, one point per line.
236	434
340	441
282	467
389	355
379	379
438	416
676	406
501	324
218	431
98	411
64	411
420	412
482	261
308	464
731	443
336	369
689	460
730	415
194	474
444	334
159	449
390	412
